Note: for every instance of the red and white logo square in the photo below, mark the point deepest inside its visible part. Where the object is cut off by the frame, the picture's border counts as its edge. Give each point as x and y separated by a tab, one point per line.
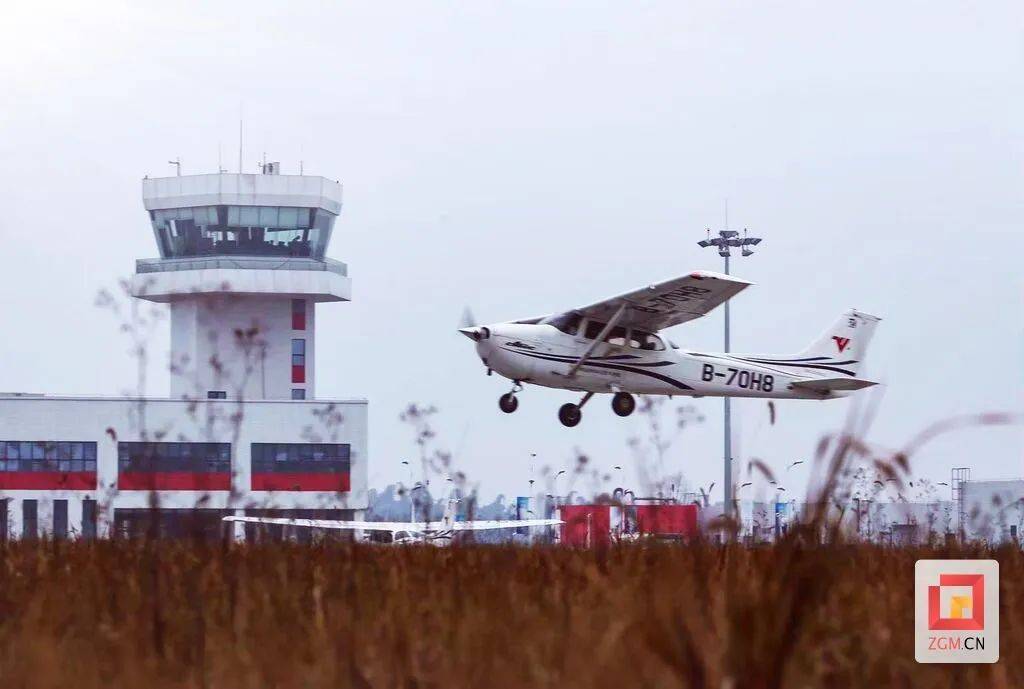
956	611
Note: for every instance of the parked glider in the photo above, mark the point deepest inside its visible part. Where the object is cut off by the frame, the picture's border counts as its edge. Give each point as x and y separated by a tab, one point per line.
439	533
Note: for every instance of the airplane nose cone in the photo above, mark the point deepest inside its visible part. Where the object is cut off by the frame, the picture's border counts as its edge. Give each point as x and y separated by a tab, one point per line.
476	334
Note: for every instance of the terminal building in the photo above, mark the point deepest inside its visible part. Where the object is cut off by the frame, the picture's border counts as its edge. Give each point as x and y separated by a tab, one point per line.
242	267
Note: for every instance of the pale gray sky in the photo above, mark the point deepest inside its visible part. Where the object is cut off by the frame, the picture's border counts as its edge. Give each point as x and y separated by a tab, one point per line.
527	158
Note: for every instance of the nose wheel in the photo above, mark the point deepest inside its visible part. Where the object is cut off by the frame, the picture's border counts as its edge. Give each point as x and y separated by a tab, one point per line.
623	403
570	414
508	402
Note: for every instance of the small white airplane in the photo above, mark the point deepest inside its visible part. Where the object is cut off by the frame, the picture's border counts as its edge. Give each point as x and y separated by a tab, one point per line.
614	346
405	533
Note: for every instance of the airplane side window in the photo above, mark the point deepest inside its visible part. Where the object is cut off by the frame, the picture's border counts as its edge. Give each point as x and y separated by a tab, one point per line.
594	329
649	342
617	337
568	323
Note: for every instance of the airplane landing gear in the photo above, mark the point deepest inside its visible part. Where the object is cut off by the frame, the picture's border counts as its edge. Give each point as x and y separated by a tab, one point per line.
508	402
623	403
570	414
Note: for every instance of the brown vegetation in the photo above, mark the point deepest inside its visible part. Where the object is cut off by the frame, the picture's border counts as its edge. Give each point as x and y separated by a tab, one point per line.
155	614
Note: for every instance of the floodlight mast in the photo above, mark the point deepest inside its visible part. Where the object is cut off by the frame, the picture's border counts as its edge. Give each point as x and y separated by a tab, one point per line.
724	242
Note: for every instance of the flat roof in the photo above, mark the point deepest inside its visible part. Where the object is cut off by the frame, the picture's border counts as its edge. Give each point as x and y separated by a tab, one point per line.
239	189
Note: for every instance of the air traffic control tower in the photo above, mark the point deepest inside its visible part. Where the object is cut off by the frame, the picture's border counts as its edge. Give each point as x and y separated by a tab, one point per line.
242	265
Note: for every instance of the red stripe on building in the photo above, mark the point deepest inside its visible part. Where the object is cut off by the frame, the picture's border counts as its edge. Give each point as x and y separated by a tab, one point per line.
289	481
173	480
298	374
48	480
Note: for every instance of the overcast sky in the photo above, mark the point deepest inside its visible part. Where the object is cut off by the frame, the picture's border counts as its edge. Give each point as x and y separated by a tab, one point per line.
524	158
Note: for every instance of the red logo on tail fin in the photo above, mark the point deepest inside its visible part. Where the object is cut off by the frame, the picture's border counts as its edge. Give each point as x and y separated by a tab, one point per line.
841	342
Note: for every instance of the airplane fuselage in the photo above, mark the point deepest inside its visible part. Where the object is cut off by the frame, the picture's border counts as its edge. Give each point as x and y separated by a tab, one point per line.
544	355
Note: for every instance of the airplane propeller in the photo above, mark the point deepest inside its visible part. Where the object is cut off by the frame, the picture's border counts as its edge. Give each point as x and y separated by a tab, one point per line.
469	327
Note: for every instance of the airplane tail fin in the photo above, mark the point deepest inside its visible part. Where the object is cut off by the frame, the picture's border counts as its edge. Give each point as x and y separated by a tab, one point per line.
844	344
451	510
838	352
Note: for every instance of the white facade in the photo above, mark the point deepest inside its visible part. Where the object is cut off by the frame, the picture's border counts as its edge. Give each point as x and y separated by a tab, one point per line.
108	421
242	267
993	510
257	367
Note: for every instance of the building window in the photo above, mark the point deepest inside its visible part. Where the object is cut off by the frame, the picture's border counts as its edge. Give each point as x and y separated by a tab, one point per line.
175	522
298	361
174	466
216	395
88	519
4	524
298	314
298	394
60	519
242	231
195	458
29	518
301	458
46	456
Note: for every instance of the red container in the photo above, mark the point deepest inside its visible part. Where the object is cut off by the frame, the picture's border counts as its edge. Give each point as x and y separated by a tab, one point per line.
666	520
585	525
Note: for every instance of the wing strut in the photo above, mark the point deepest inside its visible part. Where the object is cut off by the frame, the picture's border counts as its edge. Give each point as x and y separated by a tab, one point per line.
612	322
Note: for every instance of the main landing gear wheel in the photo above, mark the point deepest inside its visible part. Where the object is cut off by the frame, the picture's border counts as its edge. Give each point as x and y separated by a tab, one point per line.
569	414
623	403
508	402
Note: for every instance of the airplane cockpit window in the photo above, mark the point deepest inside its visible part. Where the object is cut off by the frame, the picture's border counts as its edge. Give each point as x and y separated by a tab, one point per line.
673	345
647	341
568	323
617	336
594	329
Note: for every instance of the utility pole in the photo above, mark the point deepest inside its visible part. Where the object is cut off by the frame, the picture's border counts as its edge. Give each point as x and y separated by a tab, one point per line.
724	242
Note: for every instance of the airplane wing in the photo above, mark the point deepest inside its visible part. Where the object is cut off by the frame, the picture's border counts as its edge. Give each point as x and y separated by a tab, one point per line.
481	525
668	303
330	524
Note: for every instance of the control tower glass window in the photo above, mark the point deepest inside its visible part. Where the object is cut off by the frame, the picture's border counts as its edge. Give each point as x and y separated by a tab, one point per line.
242	231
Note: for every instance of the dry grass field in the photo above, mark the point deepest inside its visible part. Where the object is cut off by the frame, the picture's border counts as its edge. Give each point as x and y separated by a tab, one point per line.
182	614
